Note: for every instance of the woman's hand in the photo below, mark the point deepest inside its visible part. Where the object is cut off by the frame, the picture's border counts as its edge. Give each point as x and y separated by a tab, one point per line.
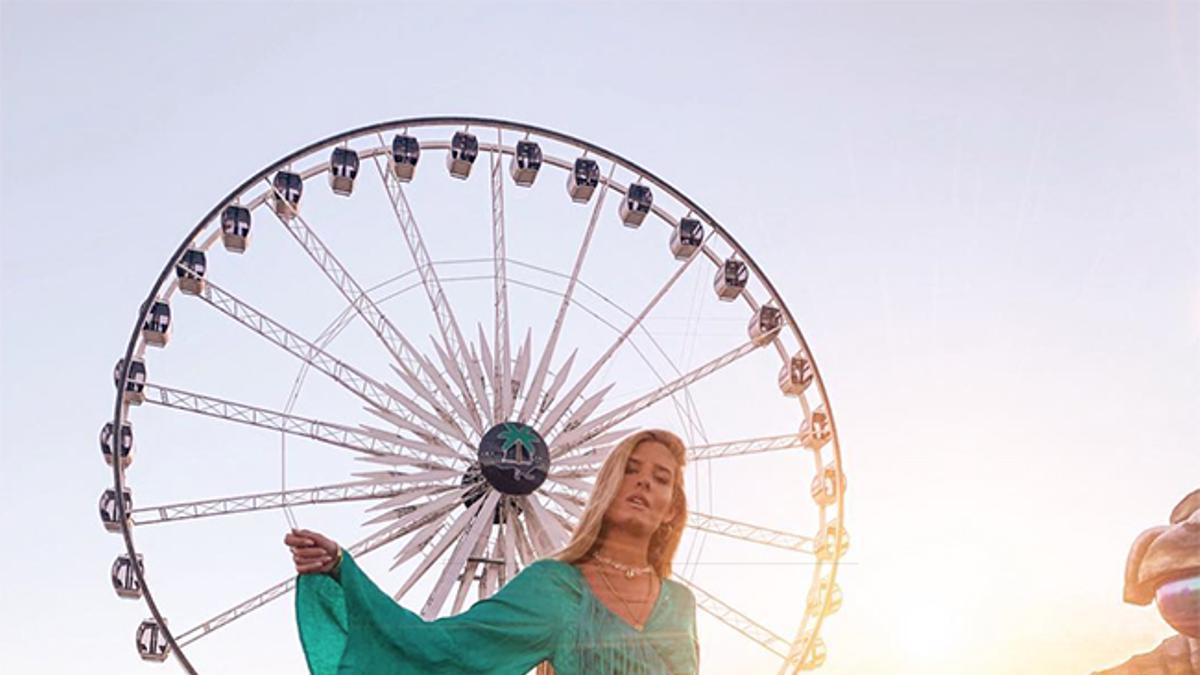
312	552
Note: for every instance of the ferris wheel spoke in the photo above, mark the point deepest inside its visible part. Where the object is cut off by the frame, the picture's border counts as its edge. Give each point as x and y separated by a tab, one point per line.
534	391
459	377
410	493
733	529
259	600
580	414
518	373
443	313
547	533
468	574
439	449
330	433
432	509
444	389
589	460
737	620
359	300
443	424
353	380
261	501
452	533
509	535
571	506
502	366
747	446
577	388
572	439
477	534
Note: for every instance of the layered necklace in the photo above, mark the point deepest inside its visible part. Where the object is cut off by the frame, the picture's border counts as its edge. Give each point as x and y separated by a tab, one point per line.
629	571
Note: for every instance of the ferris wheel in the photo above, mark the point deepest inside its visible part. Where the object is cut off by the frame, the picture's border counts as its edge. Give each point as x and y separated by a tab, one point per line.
467	400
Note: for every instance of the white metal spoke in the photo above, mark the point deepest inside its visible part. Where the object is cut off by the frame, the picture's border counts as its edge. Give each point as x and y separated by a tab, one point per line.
577	388
572	439
443	313
481	525
444	389
490	371
509	535
747	446
326	432
280	589
431	509
431	421
396	344
517	379
411	493
353	380
502	373
572	507
590	460
586	408
456	528
752	533
534	391
490	576
459	377
262	501
468	574
548	535
737	620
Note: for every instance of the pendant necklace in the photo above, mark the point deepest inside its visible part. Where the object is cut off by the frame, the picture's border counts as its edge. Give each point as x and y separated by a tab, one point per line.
637	626
628	570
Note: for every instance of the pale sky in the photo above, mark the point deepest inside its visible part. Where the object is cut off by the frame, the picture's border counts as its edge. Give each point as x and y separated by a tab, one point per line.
983	215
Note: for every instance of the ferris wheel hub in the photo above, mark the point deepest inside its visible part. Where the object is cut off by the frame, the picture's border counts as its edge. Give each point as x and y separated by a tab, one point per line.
514	458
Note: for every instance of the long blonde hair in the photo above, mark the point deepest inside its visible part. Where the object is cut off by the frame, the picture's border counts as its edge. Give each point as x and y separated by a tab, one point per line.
666	538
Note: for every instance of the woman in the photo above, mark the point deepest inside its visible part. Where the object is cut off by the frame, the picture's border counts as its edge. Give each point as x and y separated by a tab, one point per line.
602	604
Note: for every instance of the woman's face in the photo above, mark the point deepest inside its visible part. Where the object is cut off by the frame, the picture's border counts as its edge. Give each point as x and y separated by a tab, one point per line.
643	501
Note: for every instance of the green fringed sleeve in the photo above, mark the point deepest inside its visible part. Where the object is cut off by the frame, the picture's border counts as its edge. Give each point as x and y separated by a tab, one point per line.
348	625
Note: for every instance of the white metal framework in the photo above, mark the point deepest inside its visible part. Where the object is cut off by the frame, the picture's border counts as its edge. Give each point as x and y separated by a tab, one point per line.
414	456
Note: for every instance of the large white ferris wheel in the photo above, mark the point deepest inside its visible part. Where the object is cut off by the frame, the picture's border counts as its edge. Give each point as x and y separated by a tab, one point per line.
465	382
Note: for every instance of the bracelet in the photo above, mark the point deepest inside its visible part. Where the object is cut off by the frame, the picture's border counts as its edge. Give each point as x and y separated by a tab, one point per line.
337	563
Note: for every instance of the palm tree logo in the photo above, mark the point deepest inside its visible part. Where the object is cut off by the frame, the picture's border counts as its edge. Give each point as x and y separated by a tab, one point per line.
517	443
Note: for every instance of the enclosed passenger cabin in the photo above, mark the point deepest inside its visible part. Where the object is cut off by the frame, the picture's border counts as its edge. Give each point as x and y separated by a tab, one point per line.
687	238
152	642
527	159
190	269
108	508
817	430
816	597
406	151
135	386
796	375
235	228
765	325
285	197
636	204
582	180
124	576
827	485
464	148
731	280
156	329
125	443
827	546
343	169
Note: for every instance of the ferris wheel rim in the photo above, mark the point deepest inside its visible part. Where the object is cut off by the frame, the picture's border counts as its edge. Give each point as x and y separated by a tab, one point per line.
120	413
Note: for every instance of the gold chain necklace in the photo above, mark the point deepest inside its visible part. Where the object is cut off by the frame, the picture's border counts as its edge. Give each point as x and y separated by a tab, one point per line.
649	587
628	570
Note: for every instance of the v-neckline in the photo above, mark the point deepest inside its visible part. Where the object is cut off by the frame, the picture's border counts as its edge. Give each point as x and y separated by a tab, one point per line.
662	587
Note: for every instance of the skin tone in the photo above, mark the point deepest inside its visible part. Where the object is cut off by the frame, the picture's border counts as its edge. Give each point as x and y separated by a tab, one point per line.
643	502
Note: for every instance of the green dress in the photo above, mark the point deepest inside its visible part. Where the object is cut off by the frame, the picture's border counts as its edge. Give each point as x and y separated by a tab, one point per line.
548	611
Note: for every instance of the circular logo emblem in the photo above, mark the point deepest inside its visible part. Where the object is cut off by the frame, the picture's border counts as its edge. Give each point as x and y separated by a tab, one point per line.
514	458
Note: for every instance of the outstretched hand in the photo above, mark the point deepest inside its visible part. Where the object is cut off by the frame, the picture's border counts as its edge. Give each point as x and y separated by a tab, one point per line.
313	553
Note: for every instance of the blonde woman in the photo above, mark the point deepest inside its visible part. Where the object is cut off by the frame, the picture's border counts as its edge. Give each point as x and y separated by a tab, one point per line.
602	604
